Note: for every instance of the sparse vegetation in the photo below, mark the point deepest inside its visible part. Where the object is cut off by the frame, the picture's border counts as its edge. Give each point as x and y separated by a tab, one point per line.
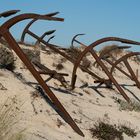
124	105
59	123
59	66
128	131
74	52
110	51
103	130
33	55
6	58
4	42
136	59
8	119
63	60
85	62
133	105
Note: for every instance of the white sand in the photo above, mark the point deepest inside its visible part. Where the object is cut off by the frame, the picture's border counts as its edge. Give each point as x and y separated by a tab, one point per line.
85	105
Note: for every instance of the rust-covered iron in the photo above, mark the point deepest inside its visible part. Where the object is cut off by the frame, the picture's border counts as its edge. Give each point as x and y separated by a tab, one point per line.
46	34
124	59
91	50
56	49
131	74
53	74
75	40
8	13
107	82
105	55
26	29
5	33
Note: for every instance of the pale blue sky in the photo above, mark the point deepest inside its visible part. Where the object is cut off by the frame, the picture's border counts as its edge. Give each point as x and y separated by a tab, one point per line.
95	18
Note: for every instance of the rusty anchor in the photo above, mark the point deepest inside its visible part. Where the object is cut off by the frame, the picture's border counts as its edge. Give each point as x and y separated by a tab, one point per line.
44	70
53	74
4	32
55	49
46	34
93	53
26	29
123	59
8	13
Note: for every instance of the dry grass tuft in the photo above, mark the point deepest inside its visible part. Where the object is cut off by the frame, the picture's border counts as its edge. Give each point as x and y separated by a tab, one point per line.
33	55
111	51
73	52
8	119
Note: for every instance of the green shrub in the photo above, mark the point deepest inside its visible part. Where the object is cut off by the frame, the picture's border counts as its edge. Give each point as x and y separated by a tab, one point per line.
106	131
6	58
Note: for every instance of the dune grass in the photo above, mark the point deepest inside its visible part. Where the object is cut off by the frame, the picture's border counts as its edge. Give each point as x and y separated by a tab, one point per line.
8	119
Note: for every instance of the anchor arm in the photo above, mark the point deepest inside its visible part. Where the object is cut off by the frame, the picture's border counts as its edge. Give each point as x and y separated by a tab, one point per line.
8	13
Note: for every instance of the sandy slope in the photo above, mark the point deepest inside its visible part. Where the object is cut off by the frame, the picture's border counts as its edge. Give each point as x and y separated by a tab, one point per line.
85	105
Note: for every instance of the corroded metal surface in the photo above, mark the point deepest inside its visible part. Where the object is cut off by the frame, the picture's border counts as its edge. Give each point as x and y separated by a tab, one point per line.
124	59
93	53
4	32
55	49
8	13
52	73
75	40
105	56
46	34
26	29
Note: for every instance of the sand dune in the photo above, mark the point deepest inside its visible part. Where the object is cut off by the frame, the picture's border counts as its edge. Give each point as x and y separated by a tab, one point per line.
86	105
